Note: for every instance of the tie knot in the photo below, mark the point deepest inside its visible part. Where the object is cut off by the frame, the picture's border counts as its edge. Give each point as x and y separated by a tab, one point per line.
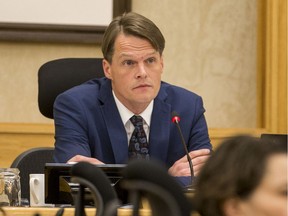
136	120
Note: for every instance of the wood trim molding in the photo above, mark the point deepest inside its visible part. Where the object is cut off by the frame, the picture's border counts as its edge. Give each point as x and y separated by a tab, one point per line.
16	138
275	106
48	129
26	128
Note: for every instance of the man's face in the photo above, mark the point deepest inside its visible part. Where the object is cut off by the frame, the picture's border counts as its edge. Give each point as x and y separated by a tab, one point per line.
135	72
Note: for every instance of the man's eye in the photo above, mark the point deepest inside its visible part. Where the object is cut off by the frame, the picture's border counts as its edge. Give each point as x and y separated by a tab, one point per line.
150	60
128	62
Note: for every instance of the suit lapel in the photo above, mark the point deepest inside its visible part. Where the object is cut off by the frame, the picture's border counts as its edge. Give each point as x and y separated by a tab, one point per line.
160	127
114	124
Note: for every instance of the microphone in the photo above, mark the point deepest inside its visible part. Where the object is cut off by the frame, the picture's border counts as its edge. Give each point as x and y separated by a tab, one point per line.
176	119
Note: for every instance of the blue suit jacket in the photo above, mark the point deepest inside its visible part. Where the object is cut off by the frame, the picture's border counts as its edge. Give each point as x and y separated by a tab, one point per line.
87	122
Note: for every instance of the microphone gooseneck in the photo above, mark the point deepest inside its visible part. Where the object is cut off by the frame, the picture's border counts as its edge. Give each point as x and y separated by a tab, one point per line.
176	120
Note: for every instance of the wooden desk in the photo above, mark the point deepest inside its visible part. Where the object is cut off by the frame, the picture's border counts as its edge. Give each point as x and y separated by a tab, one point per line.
31	211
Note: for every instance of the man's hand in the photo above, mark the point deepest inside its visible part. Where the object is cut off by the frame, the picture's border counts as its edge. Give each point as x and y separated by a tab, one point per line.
79	158
181	166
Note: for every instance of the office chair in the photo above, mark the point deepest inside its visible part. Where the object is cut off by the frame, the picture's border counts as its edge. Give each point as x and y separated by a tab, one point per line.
150	179
104	195
59	75
56	76
275	139
31	161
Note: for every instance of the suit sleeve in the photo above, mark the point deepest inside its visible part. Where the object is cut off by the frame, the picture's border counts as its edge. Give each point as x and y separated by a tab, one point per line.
199	137
71	136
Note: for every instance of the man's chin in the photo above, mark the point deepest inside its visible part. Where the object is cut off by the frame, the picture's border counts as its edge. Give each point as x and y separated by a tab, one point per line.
144	99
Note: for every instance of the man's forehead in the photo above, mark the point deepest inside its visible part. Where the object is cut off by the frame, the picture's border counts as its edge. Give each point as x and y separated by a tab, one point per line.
129	46
132	42
139	54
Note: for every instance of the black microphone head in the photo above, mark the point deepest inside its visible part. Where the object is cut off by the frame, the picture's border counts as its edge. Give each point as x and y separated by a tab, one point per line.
175	117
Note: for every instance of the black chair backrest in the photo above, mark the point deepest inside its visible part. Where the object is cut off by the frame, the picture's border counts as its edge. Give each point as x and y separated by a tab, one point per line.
57	76
276	139
31	161
150	180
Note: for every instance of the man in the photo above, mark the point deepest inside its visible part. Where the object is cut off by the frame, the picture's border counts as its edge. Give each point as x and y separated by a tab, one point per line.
92	120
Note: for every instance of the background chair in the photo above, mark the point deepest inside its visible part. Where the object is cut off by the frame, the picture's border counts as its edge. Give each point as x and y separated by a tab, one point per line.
150	180
31	161
56	76
275	139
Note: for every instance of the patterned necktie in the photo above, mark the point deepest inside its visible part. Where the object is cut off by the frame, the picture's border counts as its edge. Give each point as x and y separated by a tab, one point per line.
138	145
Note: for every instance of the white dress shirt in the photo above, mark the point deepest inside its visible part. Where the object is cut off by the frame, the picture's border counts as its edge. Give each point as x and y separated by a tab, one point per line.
127	114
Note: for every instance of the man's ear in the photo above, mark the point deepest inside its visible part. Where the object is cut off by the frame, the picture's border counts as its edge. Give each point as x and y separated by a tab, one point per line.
233	207
106	68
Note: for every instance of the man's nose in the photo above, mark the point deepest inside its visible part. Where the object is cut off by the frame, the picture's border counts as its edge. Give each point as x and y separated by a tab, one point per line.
142	70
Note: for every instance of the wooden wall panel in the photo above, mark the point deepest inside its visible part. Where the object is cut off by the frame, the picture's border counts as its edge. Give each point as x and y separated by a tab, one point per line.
16	138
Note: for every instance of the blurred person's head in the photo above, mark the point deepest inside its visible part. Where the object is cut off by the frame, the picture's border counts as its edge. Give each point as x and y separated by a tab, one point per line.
245	176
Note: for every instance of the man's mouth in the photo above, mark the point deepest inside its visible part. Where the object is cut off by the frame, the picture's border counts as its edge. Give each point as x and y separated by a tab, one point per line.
142	86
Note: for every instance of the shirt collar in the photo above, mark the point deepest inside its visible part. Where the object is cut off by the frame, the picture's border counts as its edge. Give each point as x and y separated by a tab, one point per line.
127	114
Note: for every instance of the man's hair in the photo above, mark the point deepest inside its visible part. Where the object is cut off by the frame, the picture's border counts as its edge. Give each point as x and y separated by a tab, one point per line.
131	24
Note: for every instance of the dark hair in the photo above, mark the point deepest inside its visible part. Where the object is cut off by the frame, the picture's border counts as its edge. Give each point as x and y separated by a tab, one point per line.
234	170
131	24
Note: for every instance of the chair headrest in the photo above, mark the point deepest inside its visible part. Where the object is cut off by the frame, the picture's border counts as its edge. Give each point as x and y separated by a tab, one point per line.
57	76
